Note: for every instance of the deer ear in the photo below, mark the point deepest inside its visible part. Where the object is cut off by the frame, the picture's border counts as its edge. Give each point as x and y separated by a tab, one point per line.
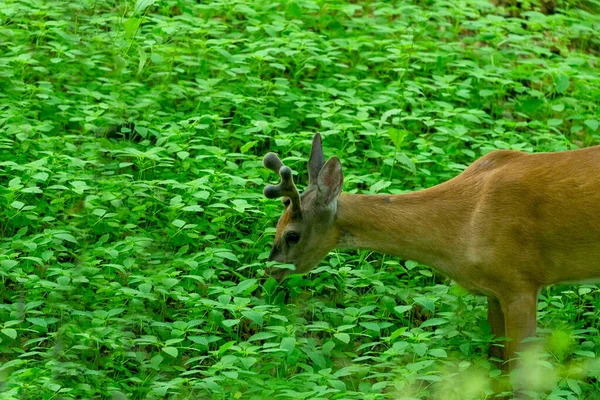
316	160
330	181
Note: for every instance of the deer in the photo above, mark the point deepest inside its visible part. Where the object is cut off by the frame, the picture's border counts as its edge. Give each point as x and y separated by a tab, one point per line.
505	227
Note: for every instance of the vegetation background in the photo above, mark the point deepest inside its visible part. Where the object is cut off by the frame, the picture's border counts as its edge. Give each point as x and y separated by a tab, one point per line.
133	230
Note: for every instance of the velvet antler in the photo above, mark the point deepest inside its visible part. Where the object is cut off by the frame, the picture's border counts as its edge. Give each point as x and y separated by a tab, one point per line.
286	187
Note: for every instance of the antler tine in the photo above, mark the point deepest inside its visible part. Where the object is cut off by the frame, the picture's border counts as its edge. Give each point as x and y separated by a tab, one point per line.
272	162
286	188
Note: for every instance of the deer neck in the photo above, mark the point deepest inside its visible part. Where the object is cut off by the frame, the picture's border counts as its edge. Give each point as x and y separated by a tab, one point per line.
424	226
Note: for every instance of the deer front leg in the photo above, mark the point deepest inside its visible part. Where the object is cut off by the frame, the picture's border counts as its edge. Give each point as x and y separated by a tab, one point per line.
519	321
495	318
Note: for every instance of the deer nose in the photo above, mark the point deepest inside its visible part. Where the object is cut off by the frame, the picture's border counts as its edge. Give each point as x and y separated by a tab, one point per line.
277	274
274	253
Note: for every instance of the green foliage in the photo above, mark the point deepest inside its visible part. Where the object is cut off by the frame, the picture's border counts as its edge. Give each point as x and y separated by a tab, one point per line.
134	234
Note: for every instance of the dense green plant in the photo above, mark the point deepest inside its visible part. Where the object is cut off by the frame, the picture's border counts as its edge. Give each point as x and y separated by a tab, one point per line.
134	234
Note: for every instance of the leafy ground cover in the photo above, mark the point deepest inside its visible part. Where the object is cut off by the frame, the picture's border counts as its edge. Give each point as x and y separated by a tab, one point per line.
133	231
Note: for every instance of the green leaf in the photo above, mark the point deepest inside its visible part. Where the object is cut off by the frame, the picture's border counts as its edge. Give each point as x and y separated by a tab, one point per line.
342	337
226	346
230	322
145	288
244	149
440	353
131	26
253	316
419	348
555	122
178	223
156	58
8	264
244	9
66	236
586	353
426	302
397	136
172	351
293	10
228	255
385	116
12	363
371	326
17	204
379	185
261	336
410	264
288	344
40	176
32	189
11	333
170	282
434	322
141	5
470	118
592	124
402	309
561	83
574	386
193	208
38	321
243	286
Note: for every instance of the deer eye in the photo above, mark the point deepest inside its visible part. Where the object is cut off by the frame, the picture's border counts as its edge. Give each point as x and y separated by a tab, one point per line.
292	237
286	201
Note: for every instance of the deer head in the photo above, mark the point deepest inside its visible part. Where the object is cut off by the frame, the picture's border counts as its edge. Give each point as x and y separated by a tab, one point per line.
305	230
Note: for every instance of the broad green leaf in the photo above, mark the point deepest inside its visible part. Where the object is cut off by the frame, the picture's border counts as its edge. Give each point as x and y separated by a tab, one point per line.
40	176
342	337
592	124
434	322
585	353
32	189
11	333
402	309
555	122
426	302
244	149
245	285
371	326
288	344
384	118
419	348
17	204
11	364
145	288
172	351
66	236
8	264
141	5
230	322
562	83
253	316
441	353
38	321
178	223
131	26
262	336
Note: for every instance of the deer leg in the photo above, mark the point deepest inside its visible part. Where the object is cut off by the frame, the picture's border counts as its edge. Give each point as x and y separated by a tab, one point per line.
519	321
495	318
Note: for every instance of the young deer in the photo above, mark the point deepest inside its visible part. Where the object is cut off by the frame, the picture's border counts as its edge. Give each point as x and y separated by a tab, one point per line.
508	225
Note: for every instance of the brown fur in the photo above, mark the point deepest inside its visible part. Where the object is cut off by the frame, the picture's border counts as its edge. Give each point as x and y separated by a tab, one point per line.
508	225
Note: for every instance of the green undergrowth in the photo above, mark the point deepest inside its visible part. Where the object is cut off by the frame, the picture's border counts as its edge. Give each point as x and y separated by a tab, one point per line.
134	233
